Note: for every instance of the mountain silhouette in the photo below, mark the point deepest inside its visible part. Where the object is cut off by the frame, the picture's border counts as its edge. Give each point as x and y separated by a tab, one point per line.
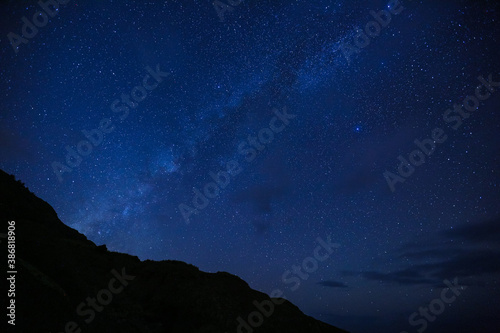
66	283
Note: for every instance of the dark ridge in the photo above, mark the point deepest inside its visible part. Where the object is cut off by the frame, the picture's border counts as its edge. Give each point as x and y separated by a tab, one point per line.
58	269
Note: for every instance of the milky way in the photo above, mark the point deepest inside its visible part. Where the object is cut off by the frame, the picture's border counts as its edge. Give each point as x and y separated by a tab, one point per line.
119	113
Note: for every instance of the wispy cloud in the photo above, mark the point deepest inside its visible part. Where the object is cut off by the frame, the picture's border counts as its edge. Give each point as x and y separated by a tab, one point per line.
440	258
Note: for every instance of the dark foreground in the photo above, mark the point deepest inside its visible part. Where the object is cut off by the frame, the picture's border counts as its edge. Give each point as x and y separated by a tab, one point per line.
65	283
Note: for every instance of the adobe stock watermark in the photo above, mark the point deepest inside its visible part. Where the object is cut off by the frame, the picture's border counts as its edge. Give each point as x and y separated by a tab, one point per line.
372	29
94	137
221	8
436	306
40	19
294	276
455	118
104	297
250	149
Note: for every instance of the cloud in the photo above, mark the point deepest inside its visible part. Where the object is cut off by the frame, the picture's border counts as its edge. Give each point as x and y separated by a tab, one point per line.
406	276
332	284
473	264
478	232
435	253
446	258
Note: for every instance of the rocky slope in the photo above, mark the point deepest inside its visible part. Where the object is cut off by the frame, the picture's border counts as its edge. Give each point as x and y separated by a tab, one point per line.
65	283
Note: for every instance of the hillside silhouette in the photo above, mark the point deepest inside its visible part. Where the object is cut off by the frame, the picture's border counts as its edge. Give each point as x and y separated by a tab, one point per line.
60	273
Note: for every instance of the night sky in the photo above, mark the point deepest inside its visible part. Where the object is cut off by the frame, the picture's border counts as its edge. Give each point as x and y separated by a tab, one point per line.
120	114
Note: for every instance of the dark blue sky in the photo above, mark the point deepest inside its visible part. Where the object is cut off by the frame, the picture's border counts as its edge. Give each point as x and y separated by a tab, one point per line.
218	90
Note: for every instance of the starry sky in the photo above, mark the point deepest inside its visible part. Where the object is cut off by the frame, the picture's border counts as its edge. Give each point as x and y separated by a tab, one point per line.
119	113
